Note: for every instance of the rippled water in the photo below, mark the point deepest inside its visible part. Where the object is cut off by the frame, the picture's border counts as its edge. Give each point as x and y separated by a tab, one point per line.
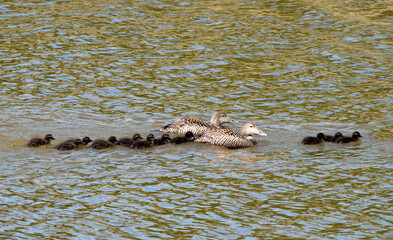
102	68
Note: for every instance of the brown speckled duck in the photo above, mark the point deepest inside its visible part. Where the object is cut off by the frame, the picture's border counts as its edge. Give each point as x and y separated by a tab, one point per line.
196	126
232	139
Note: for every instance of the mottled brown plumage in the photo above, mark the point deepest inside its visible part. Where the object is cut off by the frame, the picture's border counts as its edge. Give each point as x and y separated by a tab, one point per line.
196	126
230	138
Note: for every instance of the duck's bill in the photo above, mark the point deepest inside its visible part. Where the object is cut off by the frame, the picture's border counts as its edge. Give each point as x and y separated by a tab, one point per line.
262	134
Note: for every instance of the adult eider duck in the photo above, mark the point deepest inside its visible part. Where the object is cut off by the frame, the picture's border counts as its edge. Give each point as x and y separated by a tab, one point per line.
232	139
188	137
329	138
163	140
35	142
196	126
144	144
101	144
314	140
355	136
127	142
69	145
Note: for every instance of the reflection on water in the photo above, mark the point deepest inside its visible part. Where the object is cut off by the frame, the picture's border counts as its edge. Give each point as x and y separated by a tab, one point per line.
72	68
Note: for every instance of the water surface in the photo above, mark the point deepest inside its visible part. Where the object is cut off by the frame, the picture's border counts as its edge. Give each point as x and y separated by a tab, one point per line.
102	68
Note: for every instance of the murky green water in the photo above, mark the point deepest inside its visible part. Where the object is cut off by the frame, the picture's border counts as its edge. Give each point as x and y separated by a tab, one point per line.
102	68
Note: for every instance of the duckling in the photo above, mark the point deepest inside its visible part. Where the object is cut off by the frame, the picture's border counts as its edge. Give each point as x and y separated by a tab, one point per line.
163	140
101	144
188	137
329	138
232	139
127	142
196	126
355	137
35	142
86	140
69	145
144	144
314	140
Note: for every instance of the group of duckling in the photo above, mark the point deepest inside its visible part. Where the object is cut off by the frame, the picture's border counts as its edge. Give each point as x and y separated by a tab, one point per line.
136	142
337	138
192	130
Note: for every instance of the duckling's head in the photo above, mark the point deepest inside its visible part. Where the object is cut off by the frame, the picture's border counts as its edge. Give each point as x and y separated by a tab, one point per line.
338	134
136	137
86	140
112	139
356	135
165	137
321	136
150	137
49	137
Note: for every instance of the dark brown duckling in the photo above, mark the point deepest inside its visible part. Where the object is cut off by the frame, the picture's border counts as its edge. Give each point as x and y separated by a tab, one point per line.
144	144
69	145
314	140
188	137
163	140
86	140
355	136
101	144
329	138
35	142
127	142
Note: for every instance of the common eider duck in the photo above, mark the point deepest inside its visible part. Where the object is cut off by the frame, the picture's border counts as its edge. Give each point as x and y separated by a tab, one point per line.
329	138
144	144
196	126
355	136
188	137
69	145
232	139
163	140
127	142
101	144
35	142
314	140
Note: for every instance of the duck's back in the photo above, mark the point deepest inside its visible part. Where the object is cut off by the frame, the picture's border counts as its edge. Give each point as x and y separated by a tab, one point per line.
227	138
196	126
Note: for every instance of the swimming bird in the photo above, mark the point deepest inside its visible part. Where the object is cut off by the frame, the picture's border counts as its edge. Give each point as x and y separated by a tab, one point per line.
163	140
232	139
144	144
86	140
35	142
101	144
188	137
196	126
329	138
69	145
314	140
355	136
127	142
